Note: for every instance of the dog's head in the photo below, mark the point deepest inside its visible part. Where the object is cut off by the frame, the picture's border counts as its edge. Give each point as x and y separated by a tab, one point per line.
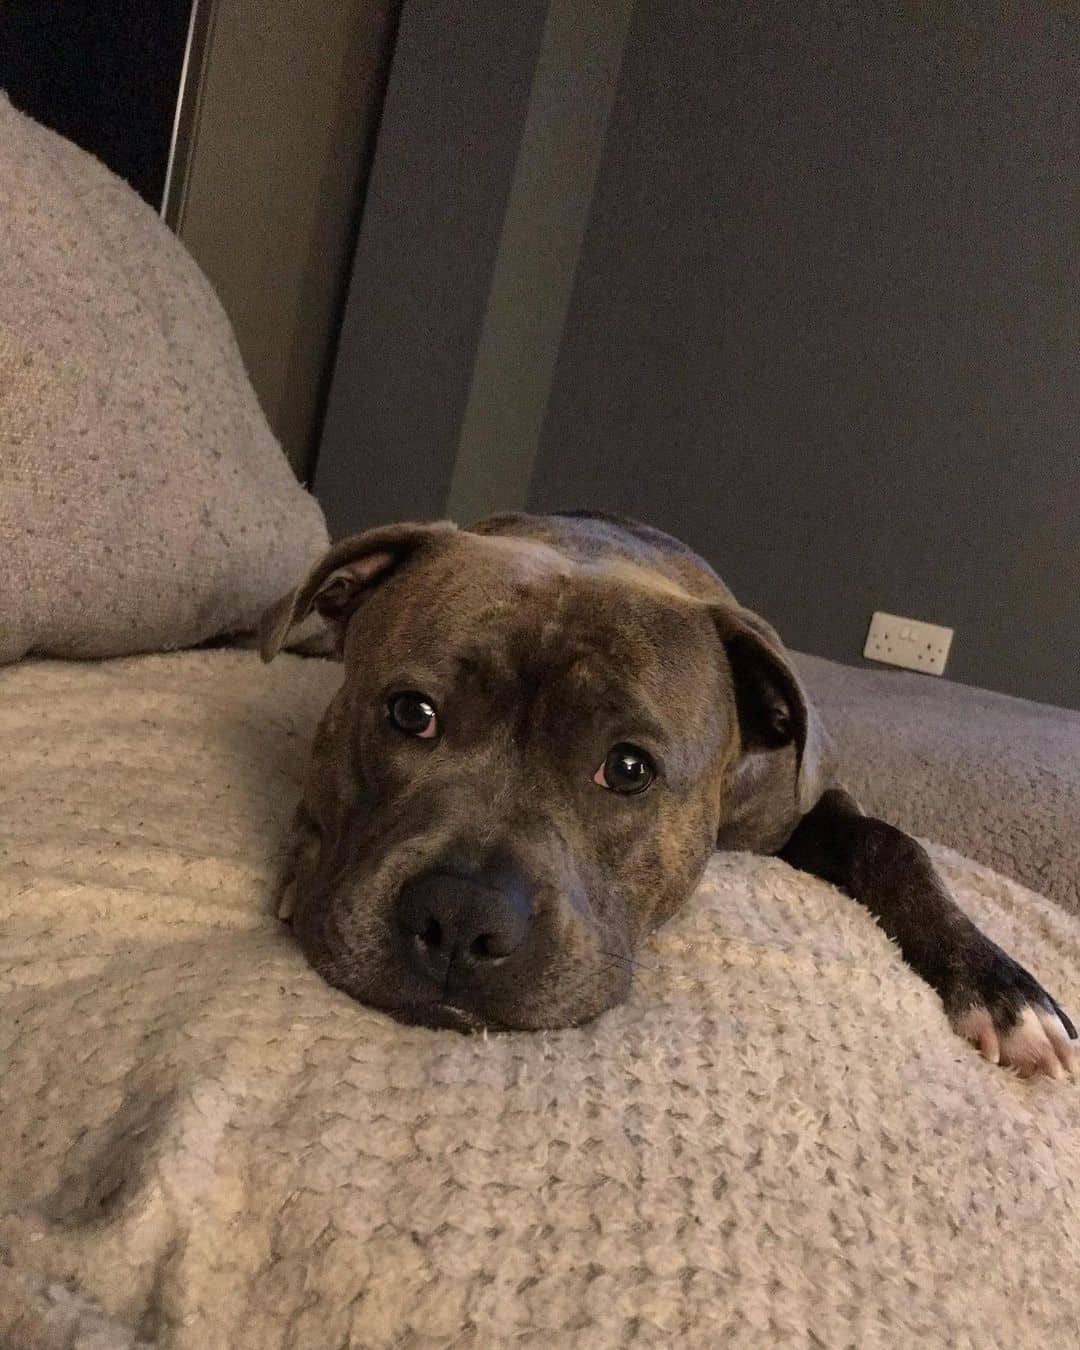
523	772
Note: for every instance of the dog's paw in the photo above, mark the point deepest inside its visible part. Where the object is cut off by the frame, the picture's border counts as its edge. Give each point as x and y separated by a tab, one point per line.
1015	1022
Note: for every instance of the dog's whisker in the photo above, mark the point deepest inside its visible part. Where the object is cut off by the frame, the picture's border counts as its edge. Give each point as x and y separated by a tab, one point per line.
613	965
632	963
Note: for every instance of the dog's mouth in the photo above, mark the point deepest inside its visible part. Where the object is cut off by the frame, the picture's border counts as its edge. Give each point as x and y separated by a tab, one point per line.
441	1017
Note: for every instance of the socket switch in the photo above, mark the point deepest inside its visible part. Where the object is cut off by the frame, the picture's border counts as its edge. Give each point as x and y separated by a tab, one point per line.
908	643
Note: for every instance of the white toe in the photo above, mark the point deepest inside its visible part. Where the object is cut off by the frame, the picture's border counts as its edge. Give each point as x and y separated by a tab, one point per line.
977	1026
1064	1047
1037	1044
1028	1046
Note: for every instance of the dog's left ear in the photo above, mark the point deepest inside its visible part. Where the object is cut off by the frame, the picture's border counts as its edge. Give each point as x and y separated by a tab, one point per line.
337	583
768	696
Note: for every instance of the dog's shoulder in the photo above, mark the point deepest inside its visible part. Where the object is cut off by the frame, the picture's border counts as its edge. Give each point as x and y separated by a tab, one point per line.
587	536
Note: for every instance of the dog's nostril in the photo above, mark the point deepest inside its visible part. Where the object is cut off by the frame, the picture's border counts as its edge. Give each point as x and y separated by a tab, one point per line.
432	934
482	949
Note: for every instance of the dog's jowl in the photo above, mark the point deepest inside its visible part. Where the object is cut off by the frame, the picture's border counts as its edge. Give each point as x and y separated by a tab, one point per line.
545	727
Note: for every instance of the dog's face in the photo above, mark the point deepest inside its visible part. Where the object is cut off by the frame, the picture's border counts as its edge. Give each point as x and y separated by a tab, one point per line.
522	773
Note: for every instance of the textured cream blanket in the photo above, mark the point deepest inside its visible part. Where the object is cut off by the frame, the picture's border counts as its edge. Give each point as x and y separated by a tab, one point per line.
777	1141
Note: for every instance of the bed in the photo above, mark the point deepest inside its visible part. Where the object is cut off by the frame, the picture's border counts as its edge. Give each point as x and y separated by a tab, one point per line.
776	1141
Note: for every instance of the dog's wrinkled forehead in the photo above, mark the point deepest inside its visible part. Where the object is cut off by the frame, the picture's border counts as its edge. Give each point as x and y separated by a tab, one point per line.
518	612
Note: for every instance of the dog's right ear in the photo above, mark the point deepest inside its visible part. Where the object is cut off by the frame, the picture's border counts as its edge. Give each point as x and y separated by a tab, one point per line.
769	699
338	582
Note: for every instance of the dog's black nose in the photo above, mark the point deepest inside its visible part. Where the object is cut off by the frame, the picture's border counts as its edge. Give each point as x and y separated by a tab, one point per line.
444	918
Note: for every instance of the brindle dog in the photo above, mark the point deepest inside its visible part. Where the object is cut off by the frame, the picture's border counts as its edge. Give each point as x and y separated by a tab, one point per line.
545	727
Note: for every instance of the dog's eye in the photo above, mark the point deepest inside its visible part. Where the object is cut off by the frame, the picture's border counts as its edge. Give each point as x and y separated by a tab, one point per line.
626	769
414	714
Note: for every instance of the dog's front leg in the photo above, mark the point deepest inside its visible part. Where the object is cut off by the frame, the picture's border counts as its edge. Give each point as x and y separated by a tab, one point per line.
988	997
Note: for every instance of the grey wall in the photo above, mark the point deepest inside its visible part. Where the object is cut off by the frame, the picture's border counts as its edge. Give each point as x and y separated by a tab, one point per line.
823	324
453	115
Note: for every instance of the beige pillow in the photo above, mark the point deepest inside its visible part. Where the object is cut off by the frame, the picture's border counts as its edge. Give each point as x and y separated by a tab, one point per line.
144	502
777	1141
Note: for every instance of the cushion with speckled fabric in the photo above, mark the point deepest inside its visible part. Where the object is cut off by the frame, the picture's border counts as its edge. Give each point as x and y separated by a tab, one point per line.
776	1141
144	502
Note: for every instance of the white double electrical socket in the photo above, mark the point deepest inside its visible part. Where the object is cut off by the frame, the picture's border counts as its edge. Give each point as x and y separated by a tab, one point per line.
908	643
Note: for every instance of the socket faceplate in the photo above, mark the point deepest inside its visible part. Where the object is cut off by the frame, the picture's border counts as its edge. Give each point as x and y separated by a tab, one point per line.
908	642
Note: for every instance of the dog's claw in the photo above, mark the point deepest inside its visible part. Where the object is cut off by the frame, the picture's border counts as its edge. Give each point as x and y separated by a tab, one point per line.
1063	1018
286	902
